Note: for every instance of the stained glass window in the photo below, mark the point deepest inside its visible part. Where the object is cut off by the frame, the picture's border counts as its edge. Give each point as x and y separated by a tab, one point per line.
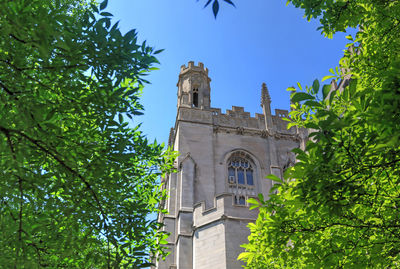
240	176
249	177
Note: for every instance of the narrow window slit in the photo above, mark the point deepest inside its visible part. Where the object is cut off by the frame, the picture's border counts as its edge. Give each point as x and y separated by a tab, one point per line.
196	97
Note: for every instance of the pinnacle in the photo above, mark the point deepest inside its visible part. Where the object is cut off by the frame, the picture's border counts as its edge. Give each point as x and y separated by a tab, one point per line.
265	97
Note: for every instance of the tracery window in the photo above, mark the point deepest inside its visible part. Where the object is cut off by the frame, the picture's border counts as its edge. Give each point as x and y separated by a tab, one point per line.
241	177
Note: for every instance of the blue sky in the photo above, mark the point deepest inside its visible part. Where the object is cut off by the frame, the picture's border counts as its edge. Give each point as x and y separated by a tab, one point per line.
258	41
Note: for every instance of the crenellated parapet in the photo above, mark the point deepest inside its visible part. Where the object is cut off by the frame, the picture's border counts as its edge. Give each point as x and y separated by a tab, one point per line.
192	67
224	208
239	121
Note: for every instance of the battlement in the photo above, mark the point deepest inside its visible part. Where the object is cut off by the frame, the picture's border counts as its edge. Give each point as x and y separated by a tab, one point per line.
223	208
191	66
238	112
281	113
236	120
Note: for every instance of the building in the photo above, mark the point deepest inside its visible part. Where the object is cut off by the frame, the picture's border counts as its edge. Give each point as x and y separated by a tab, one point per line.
224	159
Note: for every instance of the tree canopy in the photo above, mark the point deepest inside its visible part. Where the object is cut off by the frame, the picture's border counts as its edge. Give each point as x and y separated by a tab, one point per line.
339	206
76	182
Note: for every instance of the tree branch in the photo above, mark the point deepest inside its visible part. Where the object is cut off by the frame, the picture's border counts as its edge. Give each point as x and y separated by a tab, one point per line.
55	156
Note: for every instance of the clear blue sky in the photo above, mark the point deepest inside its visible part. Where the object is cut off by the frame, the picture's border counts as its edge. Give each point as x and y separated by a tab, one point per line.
258	41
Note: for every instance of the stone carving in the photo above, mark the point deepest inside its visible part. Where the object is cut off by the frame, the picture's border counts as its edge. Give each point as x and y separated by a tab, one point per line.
264	134
240	130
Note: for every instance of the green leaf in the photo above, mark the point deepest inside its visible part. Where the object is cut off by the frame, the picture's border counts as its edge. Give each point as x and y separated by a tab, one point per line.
312	103
332	95
349	37
311	125
230	2
106	14
208	2
297	151
301	96
103	4
245	255
158	51
131	34
315	86
215	8
274	178
163	242
299	85
328	77
95	9
325	90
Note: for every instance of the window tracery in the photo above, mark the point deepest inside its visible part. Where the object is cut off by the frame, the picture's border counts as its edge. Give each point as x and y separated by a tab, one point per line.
241	171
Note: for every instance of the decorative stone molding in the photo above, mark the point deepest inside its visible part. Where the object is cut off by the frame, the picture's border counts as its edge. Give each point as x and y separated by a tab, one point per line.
255	132
216	129
294	137
187	158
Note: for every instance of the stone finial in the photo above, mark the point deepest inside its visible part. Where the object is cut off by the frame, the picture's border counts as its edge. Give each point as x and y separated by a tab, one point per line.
171	137
265	97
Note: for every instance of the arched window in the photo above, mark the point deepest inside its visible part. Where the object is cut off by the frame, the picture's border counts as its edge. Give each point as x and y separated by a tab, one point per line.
196	97
241	176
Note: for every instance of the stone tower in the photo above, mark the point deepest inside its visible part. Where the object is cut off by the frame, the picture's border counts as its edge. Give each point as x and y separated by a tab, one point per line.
224	159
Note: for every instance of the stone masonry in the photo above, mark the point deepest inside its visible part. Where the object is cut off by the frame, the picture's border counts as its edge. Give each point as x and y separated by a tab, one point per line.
224	159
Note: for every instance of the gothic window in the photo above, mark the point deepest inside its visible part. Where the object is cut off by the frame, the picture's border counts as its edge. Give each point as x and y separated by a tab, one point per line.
241	177
195	97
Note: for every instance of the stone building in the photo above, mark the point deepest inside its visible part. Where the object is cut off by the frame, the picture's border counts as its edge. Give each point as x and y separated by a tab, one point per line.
224	159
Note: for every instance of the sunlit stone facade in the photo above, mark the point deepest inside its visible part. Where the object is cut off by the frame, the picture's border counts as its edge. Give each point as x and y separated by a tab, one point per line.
224	158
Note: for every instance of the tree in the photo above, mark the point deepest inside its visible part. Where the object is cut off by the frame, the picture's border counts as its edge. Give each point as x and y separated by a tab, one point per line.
339	206
76	183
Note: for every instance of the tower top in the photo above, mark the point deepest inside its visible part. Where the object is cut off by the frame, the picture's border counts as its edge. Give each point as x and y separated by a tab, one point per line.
194	86
192	67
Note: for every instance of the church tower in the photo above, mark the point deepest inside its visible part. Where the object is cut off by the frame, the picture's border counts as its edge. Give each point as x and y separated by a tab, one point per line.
194	86
224	159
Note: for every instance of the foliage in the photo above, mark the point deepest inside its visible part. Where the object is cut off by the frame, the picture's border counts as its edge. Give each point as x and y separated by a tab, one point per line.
76	182
339	206
215	5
